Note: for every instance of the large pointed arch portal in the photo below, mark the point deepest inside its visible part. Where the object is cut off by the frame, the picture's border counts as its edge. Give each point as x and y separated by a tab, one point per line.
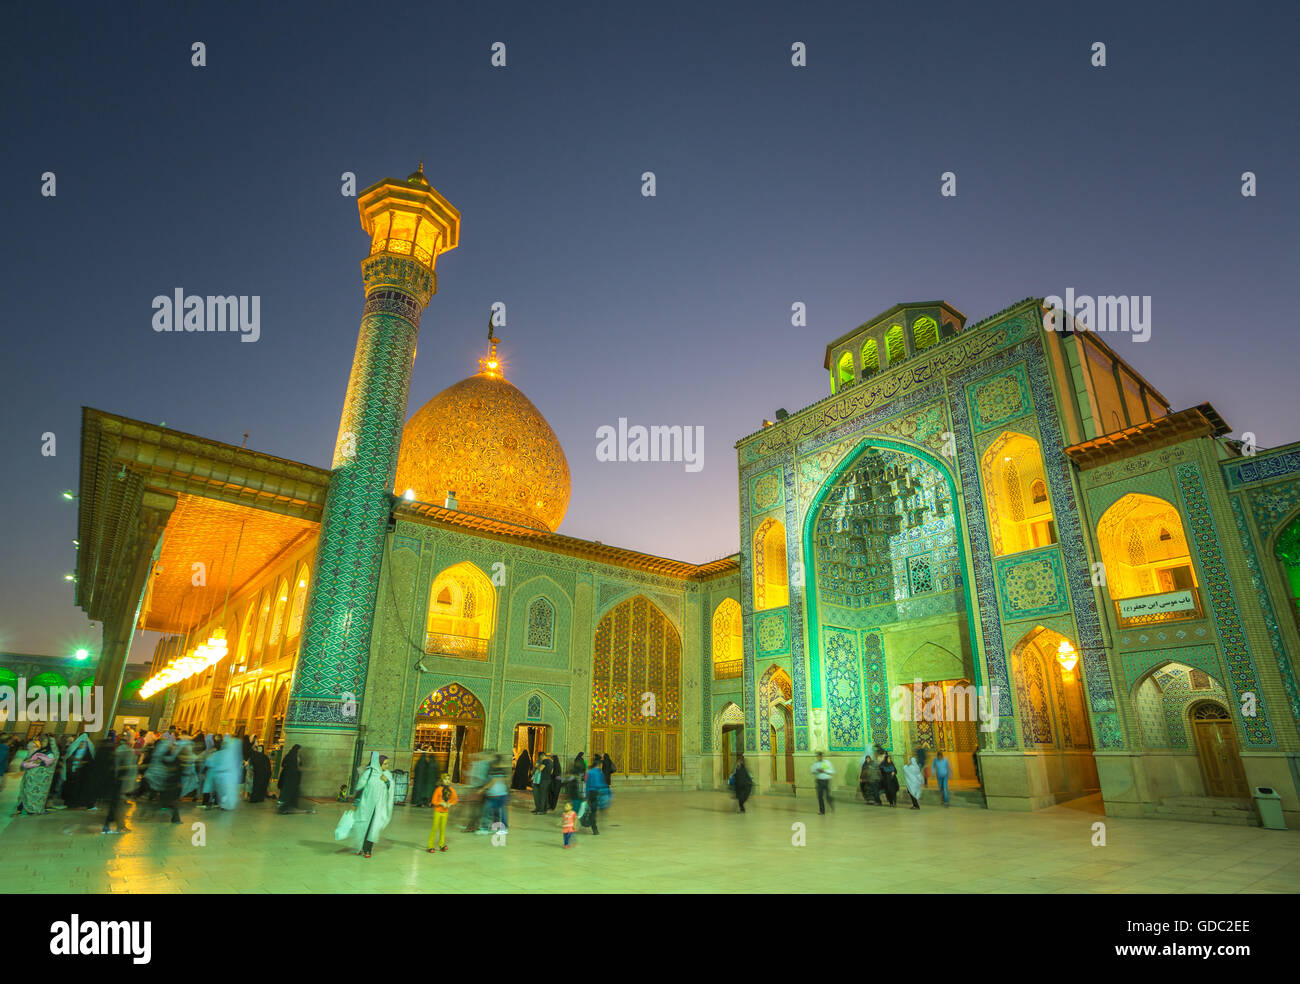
885	554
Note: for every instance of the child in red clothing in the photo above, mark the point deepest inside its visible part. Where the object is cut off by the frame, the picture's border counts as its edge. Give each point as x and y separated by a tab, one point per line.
569	824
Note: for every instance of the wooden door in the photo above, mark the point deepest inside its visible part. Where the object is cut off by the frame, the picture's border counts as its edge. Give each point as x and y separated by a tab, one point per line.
1216	746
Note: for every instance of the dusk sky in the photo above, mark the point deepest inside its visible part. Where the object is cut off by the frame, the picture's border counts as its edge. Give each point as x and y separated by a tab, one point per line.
775	184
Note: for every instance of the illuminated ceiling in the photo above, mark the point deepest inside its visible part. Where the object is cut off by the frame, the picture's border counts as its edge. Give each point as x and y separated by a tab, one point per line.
205	531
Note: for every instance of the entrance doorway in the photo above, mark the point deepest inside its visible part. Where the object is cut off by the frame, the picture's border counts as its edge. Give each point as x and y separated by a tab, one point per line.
954	731
782	736
733	746
533	738
449	727
1217	749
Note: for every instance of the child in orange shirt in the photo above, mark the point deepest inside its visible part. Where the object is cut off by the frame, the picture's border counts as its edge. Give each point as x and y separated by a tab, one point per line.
569	824
444	797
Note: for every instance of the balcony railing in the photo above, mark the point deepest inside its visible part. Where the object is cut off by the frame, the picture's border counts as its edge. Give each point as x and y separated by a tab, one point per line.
1167	606
461	647
728	669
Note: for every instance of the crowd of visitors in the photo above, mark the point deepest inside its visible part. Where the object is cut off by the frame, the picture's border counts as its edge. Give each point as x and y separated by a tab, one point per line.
163	769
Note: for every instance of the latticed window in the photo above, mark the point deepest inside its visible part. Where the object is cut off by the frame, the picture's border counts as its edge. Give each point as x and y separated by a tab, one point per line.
636	710
728	641
541	624
771	584
895	346
1020	511
925	333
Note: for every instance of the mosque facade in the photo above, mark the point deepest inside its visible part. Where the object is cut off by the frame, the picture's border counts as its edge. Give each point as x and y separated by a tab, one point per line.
996	539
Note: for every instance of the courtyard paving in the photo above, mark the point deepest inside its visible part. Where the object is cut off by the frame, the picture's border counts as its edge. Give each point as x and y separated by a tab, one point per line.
654	842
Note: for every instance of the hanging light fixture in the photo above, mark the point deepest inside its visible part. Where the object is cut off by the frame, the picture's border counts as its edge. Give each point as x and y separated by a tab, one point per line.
1066	656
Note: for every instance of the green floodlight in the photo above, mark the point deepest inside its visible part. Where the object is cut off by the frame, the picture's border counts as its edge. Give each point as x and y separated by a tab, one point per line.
69	577
82	653
69	494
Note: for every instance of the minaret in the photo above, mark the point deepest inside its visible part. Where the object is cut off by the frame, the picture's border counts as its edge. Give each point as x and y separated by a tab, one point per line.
409	224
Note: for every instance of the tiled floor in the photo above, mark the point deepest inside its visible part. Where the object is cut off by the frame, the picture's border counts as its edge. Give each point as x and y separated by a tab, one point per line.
656	842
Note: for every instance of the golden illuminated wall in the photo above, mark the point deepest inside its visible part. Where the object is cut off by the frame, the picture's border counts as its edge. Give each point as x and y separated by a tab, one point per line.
1015	492
728	640
1052	710
247	692
771	582
1144	547
462	612
636	689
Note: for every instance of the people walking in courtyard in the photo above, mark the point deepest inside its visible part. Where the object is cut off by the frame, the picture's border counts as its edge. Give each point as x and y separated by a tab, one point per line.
568	824
923	756
915	781
225	769
889	779
579	764
942	771
443	799
123	781
496	799
290	781
742	783
523	774
597	793
259	768
870	780
375	793
557	776
823	772
172	769
38	775
607	767
423	782
78	786
541	785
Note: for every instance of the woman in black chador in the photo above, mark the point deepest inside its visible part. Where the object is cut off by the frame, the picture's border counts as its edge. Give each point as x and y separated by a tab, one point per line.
290	781
261	766
424	781
523	776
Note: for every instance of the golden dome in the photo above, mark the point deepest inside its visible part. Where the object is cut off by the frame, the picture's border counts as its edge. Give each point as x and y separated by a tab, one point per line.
485	441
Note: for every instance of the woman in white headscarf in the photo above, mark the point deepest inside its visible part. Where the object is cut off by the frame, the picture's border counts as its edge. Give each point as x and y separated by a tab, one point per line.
375	792
225	769
915	780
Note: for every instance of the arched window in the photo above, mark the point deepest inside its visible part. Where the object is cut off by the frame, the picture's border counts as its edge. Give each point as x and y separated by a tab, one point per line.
281	604
263	616
870	358
771	585
728	640
895	347
636	689
1287	550
462	613
246	634
844	373
1012	469
1144	548
925	333
299	602
541	624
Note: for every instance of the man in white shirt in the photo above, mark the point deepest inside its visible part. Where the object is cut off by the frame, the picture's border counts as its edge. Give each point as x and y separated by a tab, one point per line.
823	772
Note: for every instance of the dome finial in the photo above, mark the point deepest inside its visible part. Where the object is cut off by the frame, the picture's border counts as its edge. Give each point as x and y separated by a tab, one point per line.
490	365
